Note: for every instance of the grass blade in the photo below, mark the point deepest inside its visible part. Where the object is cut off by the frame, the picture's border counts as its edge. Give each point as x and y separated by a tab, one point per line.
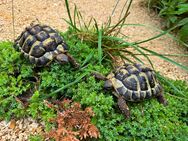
71	25
88	58
68	11
172	55
136	47
115	7
133	55
100	53
157	36
75	13
170	84
68	85
123	9
124	17
166	59
96	25
125	58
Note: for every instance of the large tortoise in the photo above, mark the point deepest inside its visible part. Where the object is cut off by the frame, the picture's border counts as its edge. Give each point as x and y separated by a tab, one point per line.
41	44
133	83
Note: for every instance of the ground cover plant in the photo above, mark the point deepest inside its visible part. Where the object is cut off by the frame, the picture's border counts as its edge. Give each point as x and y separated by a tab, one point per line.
95	52
175	14
149	119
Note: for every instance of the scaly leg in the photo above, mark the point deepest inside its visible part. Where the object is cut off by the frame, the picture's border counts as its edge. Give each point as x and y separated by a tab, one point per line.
73	61
123	107
162	99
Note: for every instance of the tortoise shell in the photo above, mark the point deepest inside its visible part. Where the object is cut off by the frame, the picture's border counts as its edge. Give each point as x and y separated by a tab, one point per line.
135	82
40	44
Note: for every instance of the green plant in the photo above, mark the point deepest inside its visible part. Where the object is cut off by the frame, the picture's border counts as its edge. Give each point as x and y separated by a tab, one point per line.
183	33
17	82
149	119
110	41
36	138
174	12
13	80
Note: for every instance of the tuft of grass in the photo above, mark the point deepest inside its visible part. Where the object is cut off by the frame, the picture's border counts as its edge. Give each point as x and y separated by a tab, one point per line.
111	42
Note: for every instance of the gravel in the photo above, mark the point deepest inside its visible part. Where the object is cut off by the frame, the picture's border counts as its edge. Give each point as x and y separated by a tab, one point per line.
19	130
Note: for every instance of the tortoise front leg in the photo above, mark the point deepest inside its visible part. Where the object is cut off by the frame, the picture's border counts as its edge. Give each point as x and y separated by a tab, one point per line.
72	61
123	107
98	76
162	99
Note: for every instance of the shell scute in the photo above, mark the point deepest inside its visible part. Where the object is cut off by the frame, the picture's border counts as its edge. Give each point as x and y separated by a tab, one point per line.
40	43
34	30
41	36
135	82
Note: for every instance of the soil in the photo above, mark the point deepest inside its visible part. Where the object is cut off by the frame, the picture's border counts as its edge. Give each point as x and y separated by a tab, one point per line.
51	12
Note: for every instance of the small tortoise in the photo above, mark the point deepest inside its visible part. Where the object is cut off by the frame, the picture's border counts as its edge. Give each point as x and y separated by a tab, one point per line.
133	83
41	44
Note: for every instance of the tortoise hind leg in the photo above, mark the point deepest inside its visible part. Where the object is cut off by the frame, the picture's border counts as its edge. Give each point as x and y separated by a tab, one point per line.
123	107
162	99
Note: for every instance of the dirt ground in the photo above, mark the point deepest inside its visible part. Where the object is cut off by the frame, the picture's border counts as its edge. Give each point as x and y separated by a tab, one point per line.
51	12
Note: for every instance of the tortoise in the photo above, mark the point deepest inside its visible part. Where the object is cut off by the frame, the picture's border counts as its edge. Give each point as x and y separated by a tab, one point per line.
41	45
133	82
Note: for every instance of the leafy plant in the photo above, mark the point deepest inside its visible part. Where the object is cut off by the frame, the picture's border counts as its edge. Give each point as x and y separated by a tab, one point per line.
183	33
110	41
149	119
13	80
36	138
174	12
93	47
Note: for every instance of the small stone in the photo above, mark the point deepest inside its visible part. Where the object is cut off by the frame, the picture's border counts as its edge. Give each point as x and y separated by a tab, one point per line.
20	125
20	136
34	125
39	130
12	124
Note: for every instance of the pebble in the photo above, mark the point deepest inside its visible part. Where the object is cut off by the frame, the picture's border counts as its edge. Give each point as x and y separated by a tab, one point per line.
19	130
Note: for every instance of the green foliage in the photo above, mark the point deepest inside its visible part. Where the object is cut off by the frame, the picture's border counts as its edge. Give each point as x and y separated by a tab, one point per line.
12	82
36	138
174	12
110	40
149	120
15	80
183	33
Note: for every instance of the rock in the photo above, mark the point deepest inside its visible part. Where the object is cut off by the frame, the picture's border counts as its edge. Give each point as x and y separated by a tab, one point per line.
12	124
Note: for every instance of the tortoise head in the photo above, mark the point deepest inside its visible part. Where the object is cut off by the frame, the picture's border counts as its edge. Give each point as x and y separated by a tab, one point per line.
108	85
